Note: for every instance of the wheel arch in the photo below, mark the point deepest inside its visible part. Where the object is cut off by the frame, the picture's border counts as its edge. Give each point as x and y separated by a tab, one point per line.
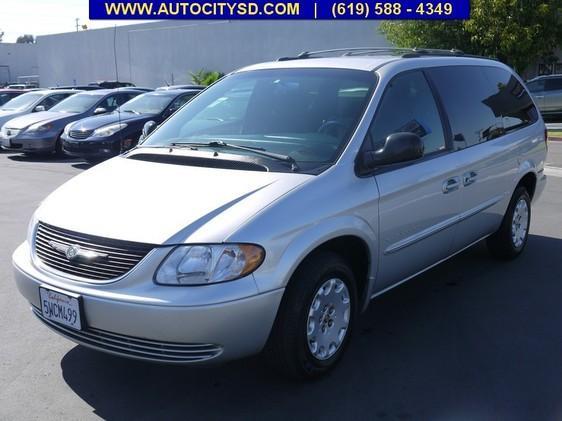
529	181
356	243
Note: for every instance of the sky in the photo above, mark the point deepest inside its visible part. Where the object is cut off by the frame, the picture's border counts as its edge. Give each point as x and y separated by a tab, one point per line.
40	17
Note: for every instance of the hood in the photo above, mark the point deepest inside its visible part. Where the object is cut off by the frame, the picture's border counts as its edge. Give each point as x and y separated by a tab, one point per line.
32	118
6	116
159	203
95	122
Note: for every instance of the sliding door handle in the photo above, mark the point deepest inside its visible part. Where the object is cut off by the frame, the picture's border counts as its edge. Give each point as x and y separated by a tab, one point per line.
451	184
469	178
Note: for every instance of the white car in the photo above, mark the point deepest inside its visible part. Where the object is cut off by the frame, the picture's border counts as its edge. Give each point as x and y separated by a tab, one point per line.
266	213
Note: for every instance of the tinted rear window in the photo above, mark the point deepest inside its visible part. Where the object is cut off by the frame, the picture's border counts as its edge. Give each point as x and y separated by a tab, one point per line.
482	103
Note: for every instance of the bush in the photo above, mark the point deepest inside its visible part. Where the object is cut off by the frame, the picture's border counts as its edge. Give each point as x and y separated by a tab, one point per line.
206	77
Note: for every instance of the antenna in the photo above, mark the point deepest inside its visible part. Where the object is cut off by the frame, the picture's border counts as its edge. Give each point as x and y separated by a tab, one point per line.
115	52
117	80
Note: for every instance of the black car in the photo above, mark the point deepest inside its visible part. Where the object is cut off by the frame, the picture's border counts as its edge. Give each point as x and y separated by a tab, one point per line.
111	84
100	137
77	87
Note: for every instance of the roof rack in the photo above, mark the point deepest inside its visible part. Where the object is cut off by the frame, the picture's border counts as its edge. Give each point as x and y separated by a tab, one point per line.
368	51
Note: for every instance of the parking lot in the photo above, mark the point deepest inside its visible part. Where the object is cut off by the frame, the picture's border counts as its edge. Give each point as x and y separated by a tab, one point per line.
471	339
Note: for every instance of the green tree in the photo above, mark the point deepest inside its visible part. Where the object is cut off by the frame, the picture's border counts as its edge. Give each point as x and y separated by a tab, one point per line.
205	77
26	39
517	32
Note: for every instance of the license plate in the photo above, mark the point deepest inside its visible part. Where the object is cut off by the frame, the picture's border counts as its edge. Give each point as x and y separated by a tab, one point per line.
61	307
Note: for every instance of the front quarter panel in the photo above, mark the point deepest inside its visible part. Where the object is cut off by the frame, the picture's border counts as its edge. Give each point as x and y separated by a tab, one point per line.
334	204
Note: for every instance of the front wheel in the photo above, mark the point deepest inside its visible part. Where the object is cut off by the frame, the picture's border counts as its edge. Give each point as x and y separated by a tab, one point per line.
315	319
58	150
510	240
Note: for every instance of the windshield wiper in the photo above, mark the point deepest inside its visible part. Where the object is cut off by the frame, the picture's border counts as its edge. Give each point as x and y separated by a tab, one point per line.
258	151
130	111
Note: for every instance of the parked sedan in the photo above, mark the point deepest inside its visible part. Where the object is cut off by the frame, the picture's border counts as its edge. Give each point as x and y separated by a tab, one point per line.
41	132
101	137
547	92
31	102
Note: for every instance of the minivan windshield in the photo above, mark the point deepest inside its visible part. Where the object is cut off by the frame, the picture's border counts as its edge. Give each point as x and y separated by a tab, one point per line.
78	103
21	102
308	115
151	103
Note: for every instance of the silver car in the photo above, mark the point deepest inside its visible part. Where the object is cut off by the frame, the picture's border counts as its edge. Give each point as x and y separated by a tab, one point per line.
547	92
267	213
30	102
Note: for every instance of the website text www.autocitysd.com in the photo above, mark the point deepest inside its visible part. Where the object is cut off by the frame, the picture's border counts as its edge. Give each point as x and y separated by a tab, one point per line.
210	8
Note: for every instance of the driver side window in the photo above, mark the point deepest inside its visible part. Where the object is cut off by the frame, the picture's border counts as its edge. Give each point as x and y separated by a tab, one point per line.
110	103
408	105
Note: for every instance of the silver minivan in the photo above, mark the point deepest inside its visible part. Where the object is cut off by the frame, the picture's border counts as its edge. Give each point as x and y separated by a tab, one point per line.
267	213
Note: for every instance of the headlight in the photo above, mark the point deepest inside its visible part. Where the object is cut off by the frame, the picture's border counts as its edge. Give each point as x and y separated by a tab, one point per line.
40	127
207	264
109	130
67	128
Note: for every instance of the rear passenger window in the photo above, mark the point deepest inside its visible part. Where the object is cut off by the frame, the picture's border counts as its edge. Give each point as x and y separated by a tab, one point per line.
511	102
408	105
482	103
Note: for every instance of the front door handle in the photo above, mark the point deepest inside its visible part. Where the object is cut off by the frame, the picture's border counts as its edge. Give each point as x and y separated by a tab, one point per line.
451	184
469	178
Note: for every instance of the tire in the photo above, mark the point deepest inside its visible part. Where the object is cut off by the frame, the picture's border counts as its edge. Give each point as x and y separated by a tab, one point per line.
510	239
289	348
59	153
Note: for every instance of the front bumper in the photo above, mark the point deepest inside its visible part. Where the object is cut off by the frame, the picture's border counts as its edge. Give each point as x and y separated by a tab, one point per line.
92	149
185	331
30	144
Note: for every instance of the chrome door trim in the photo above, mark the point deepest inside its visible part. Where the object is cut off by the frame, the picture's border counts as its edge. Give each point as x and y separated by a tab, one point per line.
434	229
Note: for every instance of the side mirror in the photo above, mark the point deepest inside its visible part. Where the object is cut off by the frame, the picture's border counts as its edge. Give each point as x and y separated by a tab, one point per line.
39	108
100	110
398	147
148	128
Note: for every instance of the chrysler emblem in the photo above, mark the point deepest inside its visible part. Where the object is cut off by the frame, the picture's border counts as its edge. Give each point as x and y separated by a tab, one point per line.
72	251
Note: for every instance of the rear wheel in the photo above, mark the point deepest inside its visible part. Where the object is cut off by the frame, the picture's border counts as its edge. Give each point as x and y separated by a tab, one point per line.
510	240
315	319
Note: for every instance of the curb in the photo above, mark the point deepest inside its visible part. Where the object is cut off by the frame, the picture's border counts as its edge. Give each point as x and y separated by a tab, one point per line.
555	139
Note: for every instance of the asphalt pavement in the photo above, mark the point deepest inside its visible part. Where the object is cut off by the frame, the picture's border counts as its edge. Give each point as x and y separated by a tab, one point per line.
472	339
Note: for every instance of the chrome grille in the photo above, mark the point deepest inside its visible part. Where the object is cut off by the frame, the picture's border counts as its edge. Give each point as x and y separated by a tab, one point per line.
80	134
119	256
129	346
